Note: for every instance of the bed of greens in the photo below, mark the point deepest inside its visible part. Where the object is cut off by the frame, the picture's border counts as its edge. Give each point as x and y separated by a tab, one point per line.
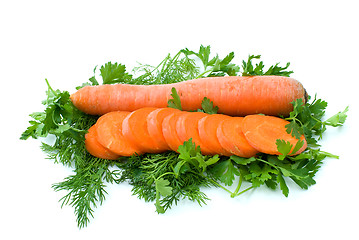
170	177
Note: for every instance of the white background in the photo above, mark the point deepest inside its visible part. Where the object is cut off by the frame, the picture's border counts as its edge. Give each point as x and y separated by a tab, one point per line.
64	41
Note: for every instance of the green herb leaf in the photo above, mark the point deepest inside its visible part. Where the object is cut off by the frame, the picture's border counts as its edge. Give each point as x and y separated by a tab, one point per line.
226	171
215	66
114	73
175	102
208	107
250	70
242	160
338	119
284	147
283	185
162	186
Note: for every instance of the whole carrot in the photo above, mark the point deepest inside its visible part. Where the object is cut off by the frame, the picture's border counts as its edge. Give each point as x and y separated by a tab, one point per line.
234	95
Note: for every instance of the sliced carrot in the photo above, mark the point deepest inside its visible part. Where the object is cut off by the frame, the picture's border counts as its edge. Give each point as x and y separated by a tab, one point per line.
169	130
231	138
187	127
262	133
109	134
207	130
95	148
154	125
134	129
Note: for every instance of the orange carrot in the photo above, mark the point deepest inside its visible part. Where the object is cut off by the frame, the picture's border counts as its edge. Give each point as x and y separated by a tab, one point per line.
123	133
187	127
231	138
169	130
134	128
234	95
262	133
109	134
207	130
154	125
95	148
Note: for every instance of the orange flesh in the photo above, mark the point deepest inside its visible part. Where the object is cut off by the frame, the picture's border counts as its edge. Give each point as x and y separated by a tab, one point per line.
207	130
95	148
231	138
154	125
134	129
234	95
262	133
109	134
169	130
187	127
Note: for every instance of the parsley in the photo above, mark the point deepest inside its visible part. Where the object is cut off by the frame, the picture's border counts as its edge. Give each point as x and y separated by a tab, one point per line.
175	101
208	107
307	119
169	177
86	188
258	69
214	66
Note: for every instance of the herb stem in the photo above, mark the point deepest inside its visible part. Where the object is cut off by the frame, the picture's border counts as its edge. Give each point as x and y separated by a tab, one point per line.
166	173
245	190
238	187
203	73
50	88
219	185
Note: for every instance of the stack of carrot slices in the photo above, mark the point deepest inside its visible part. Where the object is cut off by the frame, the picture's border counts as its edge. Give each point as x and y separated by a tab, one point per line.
156	130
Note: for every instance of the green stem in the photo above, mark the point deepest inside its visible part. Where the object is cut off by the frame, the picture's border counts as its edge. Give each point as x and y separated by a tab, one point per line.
238	186
209	179
270	164
166	173
202	74
50	88
245	190
219	185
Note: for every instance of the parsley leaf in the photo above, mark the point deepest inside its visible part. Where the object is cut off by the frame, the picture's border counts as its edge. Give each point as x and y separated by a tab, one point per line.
250	70
175	101
337	119
294	129
307	119
191	155
284	147
114	73
283	185
214	66
162	188
226	171
208	107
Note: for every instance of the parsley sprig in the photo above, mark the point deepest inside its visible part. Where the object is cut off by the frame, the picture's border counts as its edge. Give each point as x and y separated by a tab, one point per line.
170	177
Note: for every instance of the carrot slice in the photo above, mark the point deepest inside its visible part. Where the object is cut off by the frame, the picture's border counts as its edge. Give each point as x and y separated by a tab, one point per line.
232	139
95	148
109	134
134	128
169	130
187	127
154	125
207	130
262	133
